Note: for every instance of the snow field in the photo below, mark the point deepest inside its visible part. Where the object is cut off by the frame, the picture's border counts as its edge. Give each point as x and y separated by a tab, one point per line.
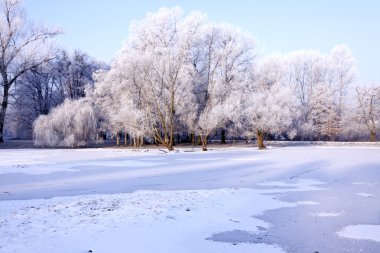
143	221
185	201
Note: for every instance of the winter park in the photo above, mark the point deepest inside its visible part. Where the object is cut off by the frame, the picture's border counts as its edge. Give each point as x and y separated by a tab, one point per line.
174	126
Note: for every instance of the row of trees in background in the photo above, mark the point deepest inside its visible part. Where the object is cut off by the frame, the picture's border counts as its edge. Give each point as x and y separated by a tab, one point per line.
186	76
179	77
23	47
36	76
46	86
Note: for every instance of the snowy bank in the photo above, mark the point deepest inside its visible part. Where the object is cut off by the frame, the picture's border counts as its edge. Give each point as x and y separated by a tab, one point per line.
143	221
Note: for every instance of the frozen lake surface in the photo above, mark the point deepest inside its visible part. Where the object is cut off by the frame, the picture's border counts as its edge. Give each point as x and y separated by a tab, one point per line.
287	199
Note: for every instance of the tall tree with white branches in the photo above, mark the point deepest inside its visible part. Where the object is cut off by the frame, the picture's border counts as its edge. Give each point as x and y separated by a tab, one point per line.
223	60
163	42
368	99
271	107
23	46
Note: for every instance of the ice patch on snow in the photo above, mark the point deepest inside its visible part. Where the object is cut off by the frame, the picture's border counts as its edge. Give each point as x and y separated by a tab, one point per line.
361	232
291	186
364	194
46	168
298	183
153	159
245	159
327	214
40	169
365	183
200	159
234	237
307	203
124	163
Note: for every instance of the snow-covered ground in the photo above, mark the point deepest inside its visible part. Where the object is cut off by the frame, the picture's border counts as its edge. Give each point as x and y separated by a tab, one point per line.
289	199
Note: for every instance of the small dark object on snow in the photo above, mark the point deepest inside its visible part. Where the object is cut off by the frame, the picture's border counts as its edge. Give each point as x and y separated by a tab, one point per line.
90	251
187	209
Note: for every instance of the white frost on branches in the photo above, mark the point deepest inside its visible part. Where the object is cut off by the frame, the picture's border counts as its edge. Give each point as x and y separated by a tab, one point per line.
180	75
71	124
271	107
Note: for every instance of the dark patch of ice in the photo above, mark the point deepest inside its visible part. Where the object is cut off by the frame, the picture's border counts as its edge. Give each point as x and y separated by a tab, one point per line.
234	237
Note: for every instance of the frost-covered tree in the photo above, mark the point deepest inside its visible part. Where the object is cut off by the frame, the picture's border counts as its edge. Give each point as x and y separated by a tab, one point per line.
23	46
271	107
75	71
271	112
176	73
184	74
368	111
72	124
133	121
159	50
103	99
117	98
323	118
344	74
44	87
307	72
223	59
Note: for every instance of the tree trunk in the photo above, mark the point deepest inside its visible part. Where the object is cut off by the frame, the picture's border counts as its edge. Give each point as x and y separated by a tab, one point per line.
168	142
260	139
169	146
1	126
204	142
1	130
192	139
2	120
138	141
199	140
117	139
223	137
171	142
3	110
372	137
171	127
125	138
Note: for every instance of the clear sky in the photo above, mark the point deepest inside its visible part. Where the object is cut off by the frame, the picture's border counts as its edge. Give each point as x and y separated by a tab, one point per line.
99	27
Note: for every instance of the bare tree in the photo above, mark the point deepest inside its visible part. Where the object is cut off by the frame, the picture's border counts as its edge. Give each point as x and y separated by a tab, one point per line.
75	71
23	46
35	93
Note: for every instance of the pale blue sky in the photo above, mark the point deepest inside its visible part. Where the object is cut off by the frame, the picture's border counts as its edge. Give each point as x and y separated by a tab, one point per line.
99	27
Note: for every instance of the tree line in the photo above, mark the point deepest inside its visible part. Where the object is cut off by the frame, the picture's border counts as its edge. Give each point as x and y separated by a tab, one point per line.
36	75
185	77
